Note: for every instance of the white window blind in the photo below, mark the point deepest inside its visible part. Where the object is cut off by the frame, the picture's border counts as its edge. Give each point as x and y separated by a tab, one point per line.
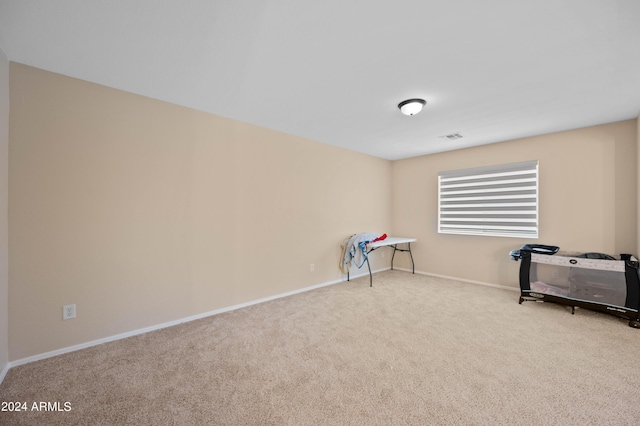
497	200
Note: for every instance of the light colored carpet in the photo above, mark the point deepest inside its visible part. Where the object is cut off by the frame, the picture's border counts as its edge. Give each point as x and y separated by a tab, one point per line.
412	350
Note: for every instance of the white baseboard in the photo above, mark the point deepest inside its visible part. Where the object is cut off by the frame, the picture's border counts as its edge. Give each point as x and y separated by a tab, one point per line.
73	348
4	372
365	273
504	287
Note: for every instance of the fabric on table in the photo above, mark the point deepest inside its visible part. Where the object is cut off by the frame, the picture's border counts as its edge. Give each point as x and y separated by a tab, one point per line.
354	249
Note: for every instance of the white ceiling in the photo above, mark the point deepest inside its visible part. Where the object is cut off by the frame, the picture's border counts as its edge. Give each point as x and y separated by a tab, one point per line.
334	71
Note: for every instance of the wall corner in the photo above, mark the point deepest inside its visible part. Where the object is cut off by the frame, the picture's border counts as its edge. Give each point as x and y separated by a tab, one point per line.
638	181
4	221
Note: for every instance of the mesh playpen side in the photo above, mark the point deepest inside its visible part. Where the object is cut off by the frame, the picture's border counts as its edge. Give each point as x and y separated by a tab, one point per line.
589	280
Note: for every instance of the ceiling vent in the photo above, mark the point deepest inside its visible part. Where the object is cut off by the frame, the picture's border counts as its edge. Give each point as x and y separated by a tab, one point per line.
452	136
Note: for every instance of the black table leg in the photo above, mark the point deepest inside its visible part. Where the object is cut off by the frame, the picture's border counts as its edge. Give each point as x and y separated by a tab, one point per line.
395	248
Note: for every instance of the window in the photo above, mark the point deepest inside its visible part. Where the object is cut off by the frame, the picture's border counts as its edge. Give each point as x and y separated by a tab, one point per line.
497	200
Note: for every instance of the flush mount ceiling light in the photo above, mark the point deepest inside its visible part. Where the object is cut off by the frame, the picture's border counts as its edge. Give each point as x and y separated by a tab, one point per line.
411	106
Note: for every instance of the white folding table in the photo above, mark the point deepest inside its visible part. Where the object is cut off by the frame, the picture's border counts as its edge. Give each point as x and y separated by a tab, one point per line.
391	242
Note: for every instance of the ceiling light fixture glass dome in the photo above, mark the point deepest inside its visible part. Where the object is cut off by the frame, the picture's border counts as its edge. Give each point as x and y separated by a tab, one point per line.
411	106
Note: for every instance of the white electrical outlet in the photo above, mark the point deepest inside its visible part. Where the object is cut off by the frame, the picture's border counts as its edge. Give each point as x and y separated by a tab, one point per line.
68	312
312	267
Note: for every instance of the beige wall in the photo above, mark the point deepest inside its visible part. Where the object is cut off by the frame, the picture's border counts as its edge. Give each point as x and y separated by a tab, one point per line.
4	195
587	200
142	212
